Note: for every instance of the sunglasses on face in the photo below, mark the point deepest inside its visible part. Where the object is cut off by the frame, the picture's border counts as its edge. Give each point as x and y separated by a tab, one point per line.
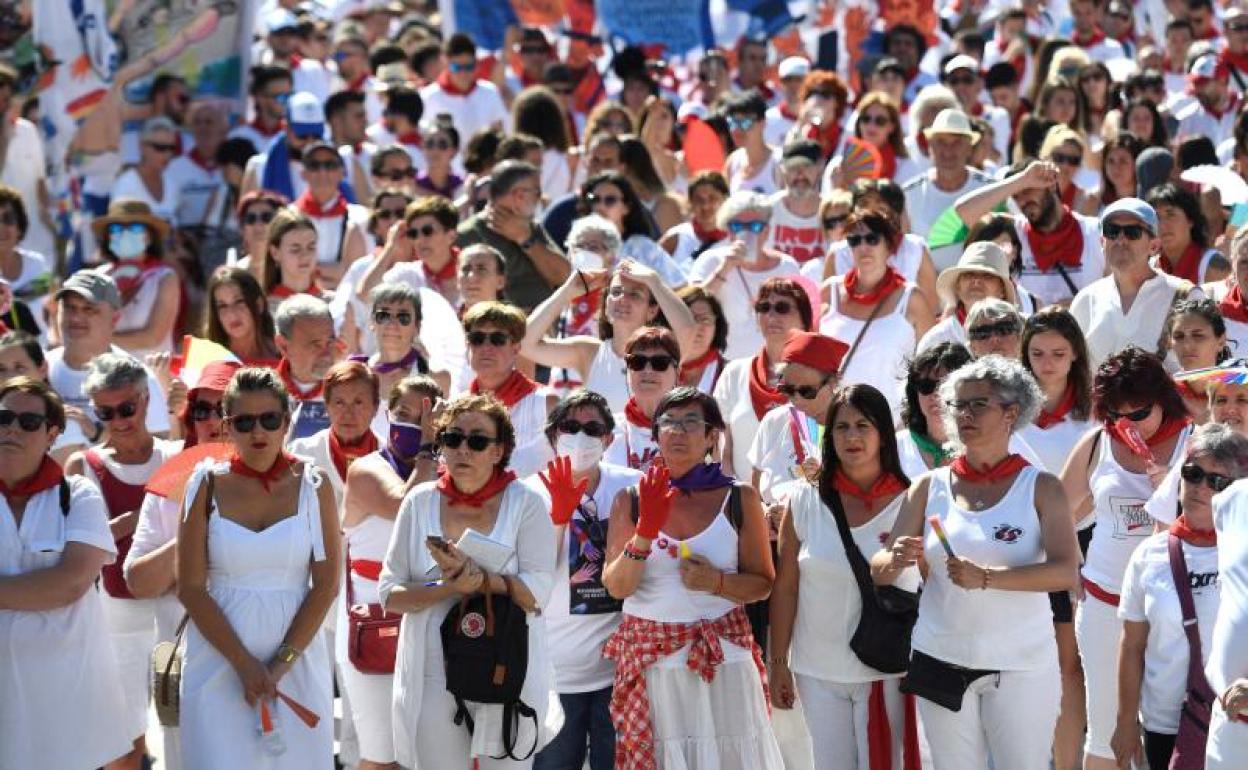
202	410
926	386
961	80
122	229
1062	159
1112	231
496	339
162	147
879	120
322	165
780	307
397	175
258	217
453	439
110	413
740	124
737	226
1194	474
458	67
639	361
246	423
856	240
1002	328
382	317
1237	27
533	50
592	428
831	223
439	144
805	391
8	220
1139	415
426	230
608	200
27	421
389	213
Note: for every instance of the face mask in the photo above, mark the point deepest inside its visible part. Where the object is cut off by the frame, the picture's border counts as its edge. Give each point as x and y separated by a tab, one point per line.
405	438
128	244
584	452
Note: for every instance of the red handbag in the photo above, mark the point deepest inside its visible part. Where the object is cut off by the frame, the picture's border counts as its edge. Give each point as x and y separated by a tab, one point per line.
372	633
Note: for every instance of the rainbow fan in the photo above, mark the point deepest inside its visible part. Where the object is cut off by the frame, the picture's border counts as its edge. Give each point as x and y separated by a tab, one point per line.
1233	372
860	160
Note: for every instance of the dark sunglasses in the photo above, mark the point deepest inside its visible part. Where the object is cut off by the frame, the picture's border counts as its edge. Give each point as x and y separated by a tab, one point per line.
926	386
639	361
439	144
397	175
453	439
805	391
258	218
831	223
1066	160
1237	27
961	80
534	50
27	421
871	239
389	213
385	316
592	428
1002	328
1194	474
606	200
461	66
246	423
1112	231
202	410
162	147
781	307
879	120
426	230
1139	415
124	411
322	165
497	339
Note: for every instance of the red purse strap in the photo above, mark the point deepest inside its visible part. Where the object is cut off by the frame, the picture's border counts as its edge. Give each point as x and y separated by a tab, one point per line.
796	433
1191	628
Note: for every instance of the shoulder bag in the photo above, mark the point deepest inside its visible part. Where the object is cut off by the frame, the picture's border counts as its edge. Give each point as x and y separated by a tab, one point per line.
372	633
1189	744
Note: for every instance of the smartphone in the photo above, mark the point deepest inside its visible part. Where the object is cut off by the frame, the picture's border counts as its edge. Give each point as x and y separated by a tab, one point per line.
438	542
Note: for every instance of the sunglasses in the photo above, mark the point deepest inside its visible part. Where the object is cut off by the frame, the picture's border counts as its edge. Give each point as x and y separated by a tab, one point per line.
639	361
805	391
781	307
497	339
461	66
119	229
831	223
1133	232
1238	27
398	175
926	386
1194	474
110	413
1139	415
1003	328
961	80
871	239
322	165
246	423
27	421
879	120
453	439
426	230
258	218
606	200
389	213
439	144
1063	159
162	147
741	124
592	428
565	91
403	318
738	226
202	410
8	220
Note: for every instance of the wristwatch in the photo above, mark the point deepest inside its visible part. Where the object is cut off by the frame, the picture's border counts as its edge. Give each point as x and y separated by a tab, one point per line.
286	654
528	243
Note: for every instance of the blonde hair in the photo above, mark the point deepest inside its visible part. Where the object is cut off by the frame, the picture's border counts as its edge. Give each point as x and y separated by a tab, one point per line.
1059	135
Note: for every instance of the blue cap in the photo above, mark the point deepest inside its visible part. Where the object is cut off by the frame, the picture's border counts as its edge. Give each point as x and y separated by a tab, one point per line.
1136	208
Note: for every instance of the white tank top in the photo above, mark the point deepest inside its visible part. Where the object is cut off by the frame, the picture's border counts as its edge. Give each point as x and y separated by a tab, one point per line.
608	377
880	360
662	596
1052	445
136	313
990	629
1118	497
367	541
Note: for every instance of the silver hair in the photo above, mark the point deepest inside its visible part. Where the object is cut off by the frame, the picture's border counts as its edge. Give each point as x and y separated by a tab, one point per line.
1010	382
596	224
394	291
1220	443
158	123
743	202
991	309
299	307
935	97
111	371
1237	243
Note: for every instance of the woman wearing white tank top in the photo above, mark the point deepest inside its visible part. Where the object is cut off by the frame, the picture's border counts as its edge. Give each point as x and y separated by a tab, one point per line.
984	661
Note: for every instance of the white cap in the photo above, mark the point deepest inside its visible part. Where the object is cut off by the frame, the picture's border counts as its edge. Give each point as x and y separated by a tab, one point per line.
1204	68
961	62
279	19
305	113
794	67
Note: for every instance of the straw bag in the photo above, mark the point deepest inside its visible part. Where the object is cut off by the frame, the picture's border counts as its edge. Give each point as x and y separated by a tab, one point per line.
167	678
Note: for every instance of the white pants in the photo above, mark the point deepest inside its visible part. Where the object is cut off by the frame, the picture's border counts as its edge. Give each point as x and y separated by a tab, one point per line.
132	632
1009	716
368	699
1099	632
1227	748
440	743
837	717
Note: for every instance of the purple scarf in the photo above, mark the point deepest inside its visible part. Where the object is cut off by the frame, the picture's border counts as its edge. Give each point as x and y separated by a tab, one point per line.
403	469
382	367
702	477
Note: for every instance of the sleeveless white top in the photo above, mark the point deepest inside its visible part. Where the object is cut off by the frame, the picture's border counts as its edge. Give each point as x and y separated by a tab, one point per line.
880	360
136	313
608	377
367	541
631	447
1053	445
990	629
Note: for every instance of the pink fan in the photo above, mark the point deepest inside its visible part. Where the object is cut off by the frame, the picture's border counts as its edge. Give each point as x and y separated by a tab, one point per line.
703	149
860	160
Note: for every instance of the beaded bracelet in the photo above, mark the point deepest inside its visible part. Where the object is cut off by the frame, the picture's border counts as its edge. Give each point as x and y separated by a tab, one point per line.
634	554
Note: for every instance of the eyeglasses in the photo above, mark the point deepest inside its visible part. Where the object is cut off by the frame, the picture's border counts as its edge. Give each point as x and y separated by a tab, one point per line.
780	307
1063	159
402	318
453	439
246	423
109	413
831	223
639	361
322	165
688	424
162	147
497	339
459	67
961	80
258	217
738	226
426	230
805	391
397	175
439	144
592	428
926	386
134	227
1003	328
8	220
1133	232
871	239
1139	415
389	213
202	410
973	406
1194	474
741	124
606	200
27	421
877	119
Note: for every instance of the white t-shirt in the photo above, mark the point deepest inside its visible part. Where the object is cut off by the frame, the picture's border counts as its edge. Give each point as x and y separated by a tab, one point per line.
774	454
802	238
925	202
1226	658
1195	120
736	294
68	383
130	185
481	107
1149	596
1049	286
732	393
1098	309
764	180
200	193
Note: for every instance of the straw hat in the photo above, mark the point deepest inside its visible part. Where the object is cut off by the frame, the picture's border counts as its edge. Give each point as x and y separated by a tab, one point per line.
953	122
979	257
124	211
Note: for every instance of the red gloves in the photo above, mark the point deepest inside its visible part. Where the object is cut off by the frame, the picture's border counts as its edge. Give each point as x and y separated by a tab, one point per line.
564	494
654	501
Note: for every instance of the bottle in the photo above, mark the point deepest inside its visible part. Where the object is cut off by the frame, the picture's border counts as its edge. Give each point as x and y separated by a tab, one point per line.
271	739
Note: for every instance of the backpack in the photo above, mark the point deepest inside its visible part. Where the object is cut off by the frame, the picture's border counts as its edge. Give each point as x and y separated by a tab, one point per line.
485	648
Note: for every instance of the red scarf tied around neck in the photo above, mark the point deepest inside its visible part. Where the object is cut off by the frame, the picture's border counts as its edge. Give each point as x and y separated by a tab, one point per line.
885	486
1201	538
888	169
266	478
444	80
344	454
705	236
497	483
690	369
1047	419
1064	245
763	397
513	389
1188	266
311	394
317	210
1166	430
634	414
1232	306
46	476
891	281
1002	470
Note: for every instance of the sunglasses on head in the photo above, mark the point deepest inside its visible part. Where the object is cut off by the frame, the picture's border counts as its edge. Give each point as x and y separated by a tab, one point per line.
397	175
453	439
1063	159
738	226
1194	474
805	391
27	421
1139	415
1003	328
246	423
258	217
497	339
202	410
606	200
879	120
110	413
856	240
639	361
162	147
781	307
322	165
926	386
592	428
403	318
1133	232
426	230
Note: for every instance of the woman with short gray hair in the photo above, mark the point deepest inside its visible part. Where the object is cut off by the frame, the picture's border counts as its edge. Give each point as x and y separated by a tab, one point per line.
111	371
997	535
159	144
994	326
395	316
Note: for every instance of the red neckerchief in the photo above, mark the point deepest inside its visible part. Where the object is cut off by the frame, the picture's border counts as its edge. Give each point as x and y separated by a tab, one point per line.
1047	419
1232	305
128	274
1064	244
444	80
344	454
497	483
891	282
266	131
1166	430
1228	61
1201	538
960	312
282	291
786	112
1232	105
690	368
889	157
443	274
357	84
317	210
283	371
763	397
1188	266
705	236
1097	36
1004	469
511	391
977	109
411	139
196	157
885	486
46	476
266	478
634	415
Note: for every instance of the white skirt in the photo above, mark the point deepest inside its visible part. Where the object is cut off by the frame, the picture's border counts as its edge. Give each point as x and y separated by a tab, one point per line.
720	725
132	631
370	698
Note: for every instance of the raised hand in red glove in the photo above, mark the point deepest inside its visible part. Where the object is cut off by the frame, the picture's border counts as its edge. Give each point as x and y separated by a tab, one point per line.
565	494
655	495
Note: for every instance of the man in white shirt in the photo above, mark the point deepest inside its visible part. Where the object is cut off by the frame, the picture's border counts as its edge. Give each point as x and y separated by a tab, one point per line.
472	104
196	181
796	229
345	115
270	89
1213	111
309	75
1234	57
782	116
279	166
1087	32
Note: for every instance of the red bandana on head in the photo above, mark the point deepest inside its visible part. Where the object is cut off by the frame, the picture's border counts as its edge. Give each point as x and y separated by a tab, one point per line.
1063	245
511	391
344	454
1002	470
46	476
266	478
497	483
336	207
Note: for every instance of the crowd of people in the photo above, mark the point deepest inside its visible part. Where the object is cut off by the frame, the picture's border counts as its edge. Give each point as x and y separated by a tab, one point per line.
728	412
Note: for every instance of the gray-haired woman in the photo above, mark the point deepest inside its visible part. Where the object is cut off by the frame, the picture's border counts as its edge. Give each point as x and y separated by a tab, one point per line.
1003	531
994	326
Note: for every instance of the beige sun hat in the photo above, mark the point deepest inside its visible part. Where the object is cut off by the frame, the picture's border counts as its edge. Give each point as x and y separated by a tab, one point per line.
953	122
979	257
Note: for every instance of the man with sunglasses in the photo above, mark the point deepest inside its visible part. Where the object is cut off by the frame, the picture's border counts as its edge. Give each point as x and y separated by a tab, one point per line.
270	89
309	346
1233	59
341	227
473	104
1128	306
752	166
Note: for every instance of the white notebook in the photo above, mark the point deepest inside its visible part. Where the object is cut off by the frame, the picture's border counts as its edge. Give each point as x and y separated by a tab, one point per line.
489	554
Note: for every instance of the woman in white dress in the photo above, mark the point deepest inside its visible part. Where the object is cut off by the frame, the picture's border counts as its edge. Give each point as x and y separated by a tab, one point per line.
425	575
63	703
652	359
921	442
259	562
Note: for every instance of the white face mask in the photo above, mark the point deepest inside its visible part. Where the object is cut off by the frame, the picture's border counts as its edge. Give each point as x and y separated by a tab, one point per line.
584	451
128	244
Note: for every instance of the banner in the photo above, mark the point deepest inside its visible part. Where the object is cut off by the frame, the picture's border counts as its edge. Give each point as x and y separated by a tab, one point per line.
674	24
486	20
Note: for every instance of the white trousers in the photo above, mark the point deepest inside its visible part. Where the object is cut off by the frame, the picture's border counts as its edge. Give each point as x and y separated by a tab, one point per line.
836	715
132	633
1227	748
1099	632
1009	716
440	743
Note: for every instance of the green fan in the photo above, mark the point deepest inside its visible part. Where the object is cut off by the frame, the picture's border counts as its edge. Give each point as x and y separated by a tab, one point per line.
947	230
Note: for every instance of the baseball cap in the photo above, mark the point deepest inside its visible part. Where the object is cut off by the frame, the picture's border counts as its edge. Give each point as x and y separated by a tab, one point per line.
93	287
889	64
306	115
961	62
280	20
801	150
1136	208
1204	68
793	67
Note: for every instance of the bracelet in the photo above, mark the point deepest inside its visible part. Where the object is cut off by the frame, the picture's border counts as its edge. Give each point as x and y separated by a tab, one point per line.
773	662
987	579
719	586
635	554
287	654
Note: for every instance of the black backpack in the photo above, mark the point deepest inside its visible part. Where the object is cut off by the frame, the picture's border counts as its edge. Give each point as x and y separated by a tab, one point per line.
485	647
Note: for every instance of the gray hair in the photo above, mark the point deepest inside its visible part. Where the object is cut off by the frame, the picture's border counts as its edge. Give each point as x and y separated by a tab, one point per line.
992	309
1222	444
111	371
394	291
935	98
297	308
157	124
1237	243
743	202
1010	381
598	225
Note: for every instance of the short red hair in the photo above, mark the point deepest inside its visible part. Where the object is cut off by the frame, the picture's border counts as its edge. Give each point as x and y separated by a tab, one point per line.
352	371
